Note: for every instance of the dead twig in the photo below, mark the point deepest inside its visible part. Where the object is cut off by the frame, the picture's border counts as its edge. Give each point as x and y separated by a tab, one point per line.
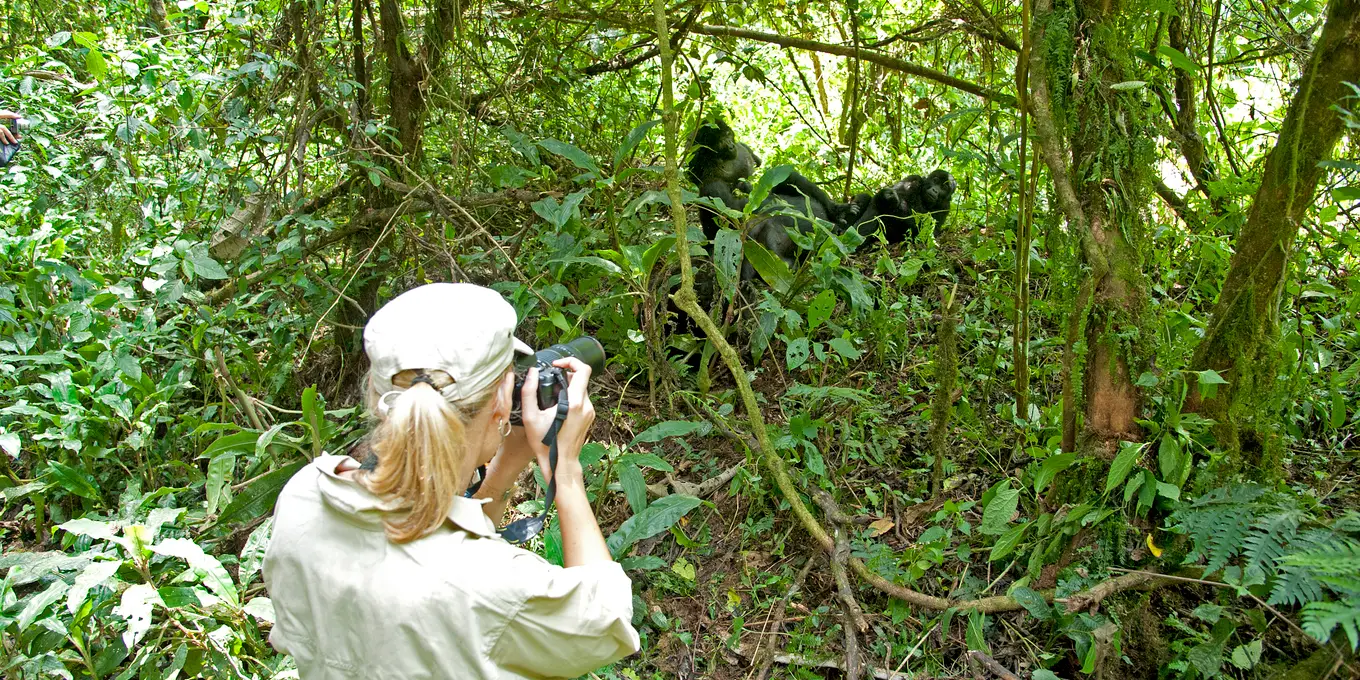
982	659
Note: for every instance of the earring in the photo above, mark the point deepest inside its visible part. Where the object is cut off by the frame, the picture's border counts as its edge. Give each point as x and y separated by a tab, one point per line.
505	428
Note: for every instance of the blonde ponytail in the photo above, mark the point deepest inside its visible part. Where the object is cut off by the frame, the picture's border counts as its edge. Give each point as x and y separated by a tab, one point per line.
422	448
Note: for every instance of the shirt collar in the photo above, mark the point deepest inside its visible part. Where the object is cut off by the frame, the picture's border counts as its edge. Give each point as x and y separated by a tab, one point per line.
352	499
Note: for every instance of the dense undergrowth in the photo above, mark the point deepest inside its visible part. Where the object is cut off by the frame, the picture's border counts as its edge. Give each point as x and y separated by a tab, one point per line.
156	388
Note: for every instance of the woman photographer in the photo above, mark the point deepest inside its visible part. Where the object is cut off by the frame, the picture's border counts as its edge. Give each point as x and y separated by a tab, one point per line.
386	570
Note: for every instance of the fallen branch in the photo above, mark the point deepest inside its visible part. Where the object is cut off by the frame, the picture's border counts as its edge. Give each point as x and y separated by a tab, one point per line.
990	664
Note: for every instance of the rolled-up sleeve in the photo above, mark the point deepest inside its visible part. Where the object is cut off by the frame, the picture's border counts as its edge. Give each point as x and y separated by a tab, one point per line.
572	621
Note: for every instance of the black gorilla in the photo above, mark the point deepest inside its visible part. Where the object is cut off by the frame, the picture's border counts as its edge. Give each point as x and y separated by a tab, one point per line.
719	166
896	208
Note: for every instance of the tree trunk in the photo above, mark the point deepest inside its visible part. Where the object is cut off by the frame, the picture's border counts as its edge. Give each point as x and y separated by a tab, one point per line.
1240	343
1101	188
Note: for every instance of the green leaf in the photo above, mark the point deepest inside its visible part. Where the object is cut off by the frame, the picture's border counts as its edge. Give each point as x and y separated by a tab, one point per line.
95	574
95	64
768	181
727	260
1168	456
819	310
997	515
1248	655
654	252
204	265
240	442
214	576
975	634
1008	542
1050	469
647	460
656	518
1033	602
772	269
10	443
1209	380
128	364
39	603
258	498
1122	465
1129	85
669	428
634	486
220	470
1044	674
630	142
73	480
1178	59
1346	193
252	554
570	152
796	353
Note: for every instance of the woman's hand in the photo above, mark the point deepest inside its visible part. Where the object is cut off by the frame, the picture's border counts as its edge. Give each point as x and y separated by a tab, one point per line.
7	137
580	413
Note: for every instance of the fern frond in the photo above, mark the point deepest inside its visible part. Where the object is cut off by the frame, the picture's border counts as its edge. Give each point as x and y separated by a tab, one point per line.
1226	539
1321	618
1295	586
1270	537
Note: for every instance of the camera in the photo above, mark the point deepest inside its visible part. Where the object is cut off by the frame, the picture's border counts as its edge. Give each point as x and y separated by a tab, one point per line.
551	378
16	127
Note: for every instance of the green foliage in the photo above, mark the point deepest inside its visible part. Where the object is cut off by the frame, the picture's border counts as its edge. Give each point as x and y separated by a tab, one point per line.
1257	537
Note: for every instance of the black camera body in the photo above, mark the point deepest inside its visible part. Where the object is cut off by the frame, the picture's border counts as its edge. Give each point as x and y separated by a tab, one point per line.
551	379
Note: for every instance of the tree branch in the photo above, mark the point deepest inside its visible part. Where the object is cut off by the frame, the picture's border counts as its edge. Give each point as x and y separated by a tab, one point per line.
879	58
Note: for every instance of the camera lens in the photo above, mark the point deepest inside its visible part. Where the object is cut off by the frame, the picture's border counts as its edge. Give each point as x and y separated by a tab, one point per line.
587	349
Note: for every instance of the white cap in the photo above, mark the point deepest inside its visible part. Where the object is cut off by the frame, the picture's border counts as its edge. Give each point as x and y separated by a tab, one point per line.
462	329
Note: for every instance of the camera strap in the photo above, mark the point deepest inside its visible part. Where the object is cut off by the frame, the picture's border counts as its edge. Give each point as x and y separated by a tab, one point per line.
525	528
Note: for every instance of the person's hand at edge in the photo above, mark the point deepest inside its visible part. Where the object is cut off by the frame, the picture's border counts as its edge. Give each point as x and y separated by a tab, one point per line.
7	137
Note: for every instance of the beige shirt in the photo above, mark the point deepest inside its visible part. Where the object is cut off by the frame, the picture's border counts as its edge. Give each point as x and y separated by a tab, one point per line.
458	603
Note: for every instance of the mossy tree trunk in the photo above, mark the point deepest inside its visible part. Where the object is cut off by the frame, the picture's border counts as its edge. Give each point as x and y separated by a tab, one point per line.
1241	341
1101	186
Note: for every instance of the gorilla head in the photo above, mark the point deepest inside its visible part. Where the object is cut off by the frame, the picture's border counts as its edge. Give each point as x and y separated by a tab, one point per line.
718	156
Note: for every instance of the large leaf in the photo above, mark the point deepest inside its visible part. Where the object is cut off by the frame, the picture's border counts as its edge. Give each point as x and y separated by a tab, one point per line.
630	142
220	470
258	498
1122	465
997	515
768	181
73	480
135	606
772	269
214	576
240	442
252	555
95	574
658	517
634	486
1050	469
669	428
570	152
